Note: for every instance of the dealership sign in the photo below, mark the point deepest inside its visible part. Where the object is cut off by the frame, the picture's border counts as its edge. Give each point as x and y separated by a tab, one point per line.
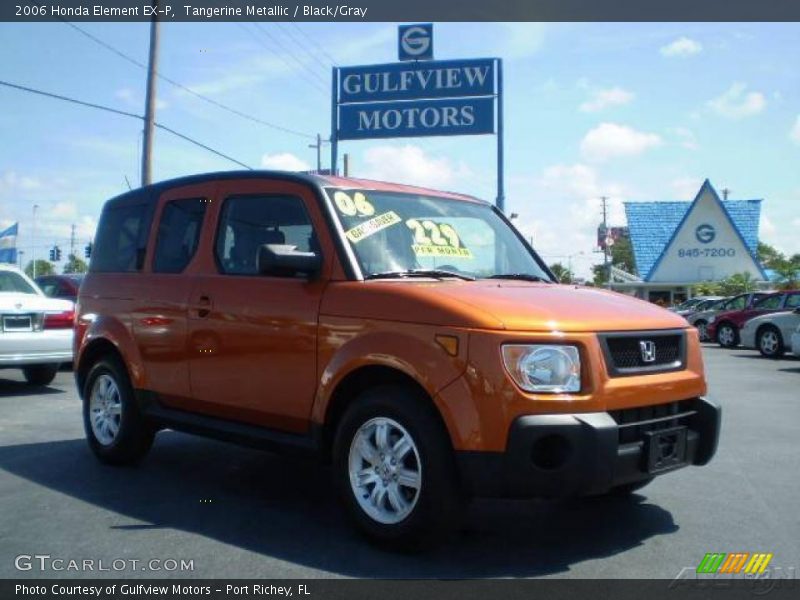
418	99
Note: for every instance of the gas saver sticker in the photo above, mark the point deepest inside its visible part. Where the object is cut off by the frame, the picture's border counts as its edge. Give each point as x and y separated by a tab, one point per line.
374	225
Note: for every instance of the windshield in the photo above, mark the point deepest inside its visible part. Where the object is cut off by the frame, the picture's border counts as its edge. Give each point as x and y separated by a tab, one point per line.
13	282
397	232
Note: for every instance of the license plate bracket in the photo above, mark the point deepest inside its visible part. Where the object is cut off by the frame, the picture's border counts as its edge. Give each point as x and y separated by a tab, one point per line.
665	449
17	323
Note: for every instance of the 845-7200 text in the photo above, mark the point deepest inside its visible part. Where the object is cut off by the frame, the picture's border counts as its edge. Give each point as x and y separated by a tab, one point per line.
706	252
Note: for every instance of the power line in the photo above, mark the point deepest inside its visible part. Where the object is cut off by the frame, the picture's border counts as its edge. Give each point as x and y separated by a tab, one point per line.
314	43
125	114
318	82
304	47
185	88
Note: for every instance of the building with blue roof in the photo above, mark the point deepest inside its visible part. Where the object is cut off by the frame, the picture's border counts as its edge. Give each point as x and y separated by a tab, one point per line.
678	244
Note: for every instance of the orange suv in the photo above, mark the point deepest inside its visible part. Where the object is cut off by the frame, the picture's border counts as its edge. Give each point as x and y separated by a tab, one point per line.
411	337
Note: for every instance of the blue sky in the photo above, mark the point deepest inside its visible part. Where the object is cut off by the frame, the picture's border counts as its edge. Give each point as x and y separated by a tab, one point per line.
632	111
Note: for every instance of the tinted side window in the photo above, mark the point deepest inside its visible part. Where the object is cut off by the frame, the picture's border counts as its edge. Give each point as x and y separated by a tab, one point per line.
737	303
118	246
769	302
178	234
249	222
793	301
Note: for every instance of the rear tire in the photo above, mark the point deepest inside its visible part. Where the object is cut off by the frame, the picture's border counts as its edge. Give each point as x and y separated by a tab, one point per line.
115	428
40	374
770	342
395	469
702	331
727	335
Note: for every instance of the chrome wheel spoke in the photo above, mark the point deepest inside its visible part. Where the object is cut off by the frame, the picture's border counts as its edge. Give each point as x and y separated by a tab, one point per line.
401	448
105	410
408	478
382	436
367	451
396	500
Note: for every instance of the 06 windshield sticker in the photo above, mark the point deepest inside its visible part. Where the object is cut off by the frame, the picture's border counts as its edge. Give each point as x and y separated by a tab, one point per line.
356	205
373	226
436	239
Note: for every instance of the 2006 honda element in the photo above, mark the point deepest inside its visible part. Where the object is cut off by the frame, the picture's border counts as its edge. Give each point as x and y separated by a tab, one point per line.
411	336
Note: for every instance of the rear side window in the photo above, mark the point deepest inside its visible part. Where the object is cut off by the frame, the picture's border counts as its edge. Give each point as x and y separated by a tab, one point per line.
12	282
119	246
793	301
178	234
737	303
769	302
249	222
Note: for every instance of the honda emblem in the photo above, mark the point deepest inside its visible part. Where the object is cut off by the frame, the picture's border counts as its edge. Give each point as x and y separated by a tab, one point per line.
648	350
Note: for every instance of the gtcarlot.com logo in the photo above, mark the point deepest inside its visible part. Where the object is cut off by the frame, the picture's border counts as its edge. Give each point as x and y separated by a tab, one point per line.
46	562
736	562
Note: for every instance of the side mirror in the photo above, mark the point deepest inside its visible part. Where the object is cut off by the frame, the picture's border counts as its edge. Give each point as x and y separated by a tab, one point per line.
283	260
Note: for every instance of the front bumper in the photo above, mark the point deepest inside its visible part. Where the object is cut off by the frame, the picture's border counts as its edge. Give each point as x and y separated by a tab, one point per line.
583	453
35	348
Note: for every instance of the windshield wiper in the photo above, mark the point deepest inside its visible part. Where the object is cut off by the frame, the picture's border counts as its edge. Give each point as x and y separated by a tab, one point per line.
520	277
436	273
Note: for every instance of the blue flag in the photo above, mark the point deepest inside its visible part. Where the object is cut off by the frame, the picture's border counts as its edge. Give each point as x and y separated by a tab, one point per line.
8	245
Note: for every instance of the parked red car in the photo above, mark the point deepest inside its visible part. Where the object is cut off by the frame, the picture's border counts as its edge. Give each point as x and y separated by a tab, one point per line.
724	327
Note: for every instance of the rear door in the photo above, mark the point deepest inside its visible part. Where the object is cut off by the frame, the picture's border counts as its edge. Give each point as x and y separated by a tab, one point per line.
160	324
253	338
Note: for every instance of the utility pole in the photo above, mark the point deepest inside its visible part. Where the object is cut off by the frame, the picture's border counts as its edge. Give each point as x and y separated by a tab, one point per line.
33	249
725	192
150	100
318	147
72	241
606	263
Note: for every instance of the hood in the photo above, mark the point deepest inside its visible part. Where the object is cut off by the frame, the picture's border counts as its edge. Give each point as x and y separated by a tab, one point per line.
32	303
493	304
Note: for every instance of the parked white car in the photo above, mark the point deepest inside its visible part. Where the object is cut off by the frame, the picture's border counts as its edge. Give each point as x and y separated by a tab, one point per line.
796	342
772	334
35	331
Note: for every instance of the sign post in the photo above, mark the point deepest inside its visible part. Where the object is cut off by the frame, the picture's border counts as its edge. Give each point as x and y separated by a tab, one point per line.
422	98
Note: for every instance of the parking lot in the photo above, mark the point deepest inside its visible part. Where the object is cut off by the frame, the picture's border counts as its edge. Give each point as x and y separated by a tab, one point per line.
235	512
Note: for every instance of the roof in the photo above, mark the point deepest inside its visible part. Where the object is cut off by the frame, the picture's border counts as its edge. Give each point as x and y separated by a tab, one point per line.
153	190
652	225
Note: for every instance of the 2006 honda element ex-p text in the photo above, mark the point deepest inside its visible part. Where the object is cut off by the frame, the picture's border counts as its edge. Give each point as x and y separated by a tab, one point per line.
411	337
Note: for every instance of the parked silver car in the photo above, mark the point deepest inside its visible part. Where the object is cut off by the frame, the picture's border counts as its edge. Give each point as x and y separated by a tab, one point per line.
771	334
35	331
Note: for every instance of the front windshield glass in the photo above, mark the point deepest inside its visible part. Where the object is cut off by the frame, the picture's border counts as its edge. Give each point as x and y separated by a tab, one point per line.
398	232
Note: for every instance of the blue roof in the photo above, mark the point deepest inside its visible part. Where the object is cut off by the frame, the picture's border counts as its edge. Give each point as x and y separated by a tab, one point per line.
652	226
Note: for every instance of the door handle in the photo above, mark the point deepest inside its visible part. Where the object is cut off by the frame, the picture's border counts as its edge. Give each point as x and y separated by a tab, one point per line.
203	306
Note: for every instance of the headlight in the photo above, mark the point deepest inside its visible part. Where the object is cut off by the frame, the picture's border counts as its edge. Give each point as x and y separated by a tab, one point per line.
542	368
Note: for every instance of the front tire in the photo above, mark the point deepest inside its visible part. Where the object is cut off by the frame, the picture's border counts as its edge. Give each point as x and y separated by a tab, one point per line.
727	336
770	342
115	428
395	469
40	374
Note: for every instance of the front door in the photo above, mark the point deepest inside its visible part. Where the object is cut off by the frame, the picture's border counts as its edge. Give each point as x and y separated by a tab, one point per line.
253	338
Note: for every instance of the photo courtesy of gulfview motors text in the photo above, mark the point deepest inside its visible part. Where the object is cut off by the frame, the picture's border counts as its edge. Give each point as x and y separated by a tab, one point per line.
310	300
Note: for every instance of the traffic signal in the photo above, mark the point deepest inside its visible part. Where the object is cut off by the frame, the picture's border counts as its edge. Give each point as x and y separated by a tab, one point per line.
53	254
87	252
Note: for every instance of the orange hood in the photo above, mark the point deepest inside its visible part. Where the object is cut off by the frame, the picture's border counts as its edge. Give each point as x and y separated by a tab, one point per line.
493	304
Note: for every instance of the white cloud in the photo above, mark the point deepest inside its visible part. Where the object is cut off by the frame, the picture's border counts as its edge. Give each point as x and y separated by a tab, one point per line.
611	140
686	188
685	137
133	99
737	103
11	181
411	164
681	47
794	134
602	99
285	161
522	40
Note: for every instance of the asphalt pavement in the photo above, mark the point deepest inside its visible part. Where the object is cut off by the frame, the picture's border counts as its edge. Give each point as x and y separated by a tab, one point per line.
227	511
